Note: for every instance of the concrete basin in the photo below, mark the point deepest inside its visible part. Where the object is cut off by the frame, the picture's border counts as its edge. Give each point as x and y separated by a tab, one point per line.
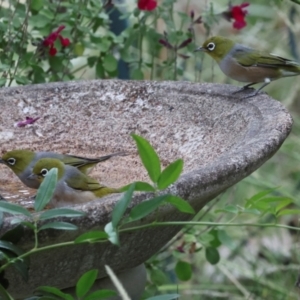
221	138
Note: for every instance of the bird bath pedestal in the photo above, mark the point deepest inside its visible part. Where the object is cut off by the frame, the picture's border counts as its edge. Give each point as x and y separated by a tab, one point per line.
221	139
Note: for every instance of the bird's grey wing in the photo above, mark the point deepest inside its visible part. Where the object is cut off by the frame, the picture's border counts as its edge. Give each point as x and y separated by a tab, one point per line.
248	57
79	181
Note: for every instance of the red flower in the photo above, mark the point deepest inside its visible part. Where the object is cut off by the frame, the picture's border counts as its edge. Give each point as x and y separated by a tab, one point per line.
65	42
52	37
52	51
147	4
237	13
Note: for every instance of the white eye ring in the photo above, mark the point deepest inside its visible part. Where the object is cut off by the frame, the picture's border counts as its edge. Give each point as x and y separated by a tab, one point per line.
211	46
11	161
44	172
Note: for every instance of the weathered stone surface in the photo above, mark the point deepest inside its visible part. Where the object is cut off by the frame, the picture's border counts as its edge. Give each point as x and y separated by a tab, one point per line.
221	139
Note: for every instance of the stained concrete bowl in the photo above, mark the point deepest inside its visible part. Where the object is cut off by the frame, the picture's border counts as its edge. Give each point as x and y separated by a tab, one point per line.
221	138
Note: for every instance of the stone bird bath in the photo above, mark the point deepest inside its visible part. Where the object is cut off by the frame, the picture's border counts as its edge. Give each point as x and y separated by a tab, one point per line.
221	139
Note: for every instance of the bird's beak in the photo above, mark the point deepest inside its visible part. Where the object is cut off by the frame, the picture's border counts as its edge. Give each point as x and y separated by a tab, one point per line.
199	49
33	176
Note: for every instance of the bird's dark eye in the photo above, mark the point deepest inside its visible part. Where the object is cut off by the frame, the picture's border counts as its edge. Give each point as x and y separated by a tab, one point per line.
211	46
11	161
44	172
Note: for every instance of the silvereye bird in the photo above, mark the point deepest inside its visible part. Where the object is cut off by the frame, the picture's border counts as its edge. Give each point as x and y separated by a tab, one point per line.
246	64
72	186
21	162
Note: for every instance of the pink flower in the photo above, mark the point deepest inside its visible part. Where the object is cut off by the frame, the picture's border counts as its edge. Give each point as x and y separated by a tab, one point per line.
237	13
28	120
52	37
147	4
181	248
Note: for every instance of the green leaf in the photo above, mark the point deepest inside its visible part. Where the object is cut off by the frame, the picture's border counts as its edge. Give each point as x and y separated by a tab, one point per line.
1	216
113	235
14	209
228	208
148	156
180	204
137	74
91	236
39	21
170	174
164	297
55	292
28	224
59	225
22	267
110	64
11	247
3	81
205	239
101	294
146	207
252	211
210	239
225	239
46	190
260	195
158	277
22	80
14	235
56	62
214	242
140	186
85	283
121	206
36	5
103	44
4	294
11	251
288	212
78	49
282	204
212	255
100	72
92	60
276	199
183	270
61	212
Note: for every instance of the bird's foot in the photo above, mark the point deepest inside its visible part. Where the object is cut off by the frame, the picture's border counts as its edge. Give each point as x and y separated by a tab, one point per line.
253	94
244	88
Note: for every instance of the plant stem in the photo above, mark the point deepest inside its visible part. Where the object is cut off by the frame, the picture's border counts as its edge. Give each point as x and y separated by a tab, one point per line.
35	235
182	223
36	250
140	43
175	63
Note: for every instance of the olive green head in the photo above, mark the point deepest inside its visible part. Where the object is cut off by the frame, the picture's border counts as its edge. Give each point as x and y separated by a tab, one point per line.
217	47
44	165
17	160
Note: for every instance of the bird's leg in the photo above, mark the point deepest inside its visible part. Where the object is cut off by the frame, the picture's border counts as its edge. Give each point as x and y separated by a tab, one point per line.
245	87
257	91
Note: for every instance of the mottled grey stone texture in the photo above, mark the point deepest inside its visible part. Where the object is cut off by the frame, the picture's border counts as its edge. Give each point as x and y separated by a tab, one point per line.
221	138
